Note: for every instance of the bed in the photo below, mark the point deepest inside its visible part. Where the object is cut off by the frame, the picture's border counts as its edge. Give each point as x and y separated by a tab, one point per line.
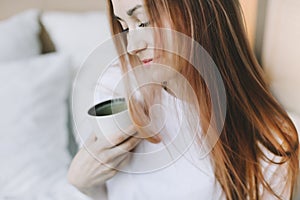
41	51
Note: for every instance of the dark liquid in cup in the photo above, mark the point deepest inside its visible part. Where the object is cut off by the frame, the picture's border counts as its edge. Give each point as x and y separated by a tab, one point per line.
109	107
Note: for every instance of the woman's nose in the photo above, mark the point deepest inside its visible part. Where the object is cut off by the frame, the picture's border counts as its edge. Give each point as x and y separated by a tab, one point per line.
135	43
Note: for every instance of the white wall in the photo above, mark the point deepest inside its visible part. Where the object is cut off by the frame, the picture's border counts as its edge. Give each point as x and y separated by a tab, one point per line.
281	51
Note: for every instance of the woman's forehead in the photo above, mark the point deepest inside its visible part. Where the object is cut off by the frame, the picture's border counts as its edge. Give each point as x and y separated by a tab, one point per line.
126	7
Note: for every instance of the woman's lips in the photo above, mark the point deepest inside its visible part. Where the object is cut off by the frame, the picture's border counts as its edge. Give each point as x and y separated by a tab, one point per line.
146	61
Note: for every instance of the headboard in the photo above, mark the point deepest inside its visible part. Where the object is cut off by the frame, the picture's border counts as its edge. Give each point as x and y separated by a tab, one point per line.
11	7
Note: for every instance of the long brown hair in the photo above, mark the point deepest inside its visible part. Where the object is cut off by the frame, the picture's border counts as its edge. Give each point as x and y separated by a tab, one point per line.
256	129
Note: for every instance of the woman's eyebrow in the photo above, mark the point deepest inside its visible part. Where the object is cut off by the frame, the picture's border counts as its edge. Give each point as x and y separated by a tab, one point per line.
131	11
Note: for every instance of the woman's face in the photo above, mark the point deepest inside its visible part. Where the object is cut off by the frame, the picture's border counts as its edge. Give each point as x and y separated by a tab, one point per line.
140	40
133	18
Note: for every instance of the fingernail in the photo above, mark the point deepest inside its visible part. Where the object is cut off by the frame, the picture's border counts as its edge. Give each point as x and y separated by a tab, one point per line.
158	138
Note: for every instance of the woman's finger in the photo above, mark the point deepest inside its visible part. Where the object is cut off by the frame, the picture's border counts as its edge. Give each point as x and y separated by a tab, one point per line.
118	137
116	162
123	162
110	174
129	144
124	148
119	159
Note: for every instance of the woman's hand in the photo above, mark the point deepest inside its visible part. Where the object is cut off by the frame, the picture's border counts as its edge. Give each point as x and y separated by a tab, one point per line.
98	160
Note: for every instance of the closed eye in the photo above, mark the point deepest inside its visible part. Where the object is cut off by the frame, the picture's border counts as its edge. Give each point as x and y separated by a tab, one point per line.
145	24
125	30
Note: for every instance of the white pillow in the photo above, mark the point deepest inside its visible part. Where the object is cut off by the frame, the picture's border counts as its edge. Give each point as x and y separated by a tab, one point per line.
19	36
76	34
33	128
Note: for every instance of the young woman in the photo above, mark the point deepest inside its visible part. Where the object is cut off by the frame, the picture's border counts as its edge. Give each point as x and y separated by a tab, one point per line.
255	156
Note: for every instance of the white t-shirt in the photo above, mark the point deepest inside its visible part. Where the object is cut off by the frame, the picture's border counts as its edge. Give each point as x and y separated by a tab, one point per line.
169	173
171	169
